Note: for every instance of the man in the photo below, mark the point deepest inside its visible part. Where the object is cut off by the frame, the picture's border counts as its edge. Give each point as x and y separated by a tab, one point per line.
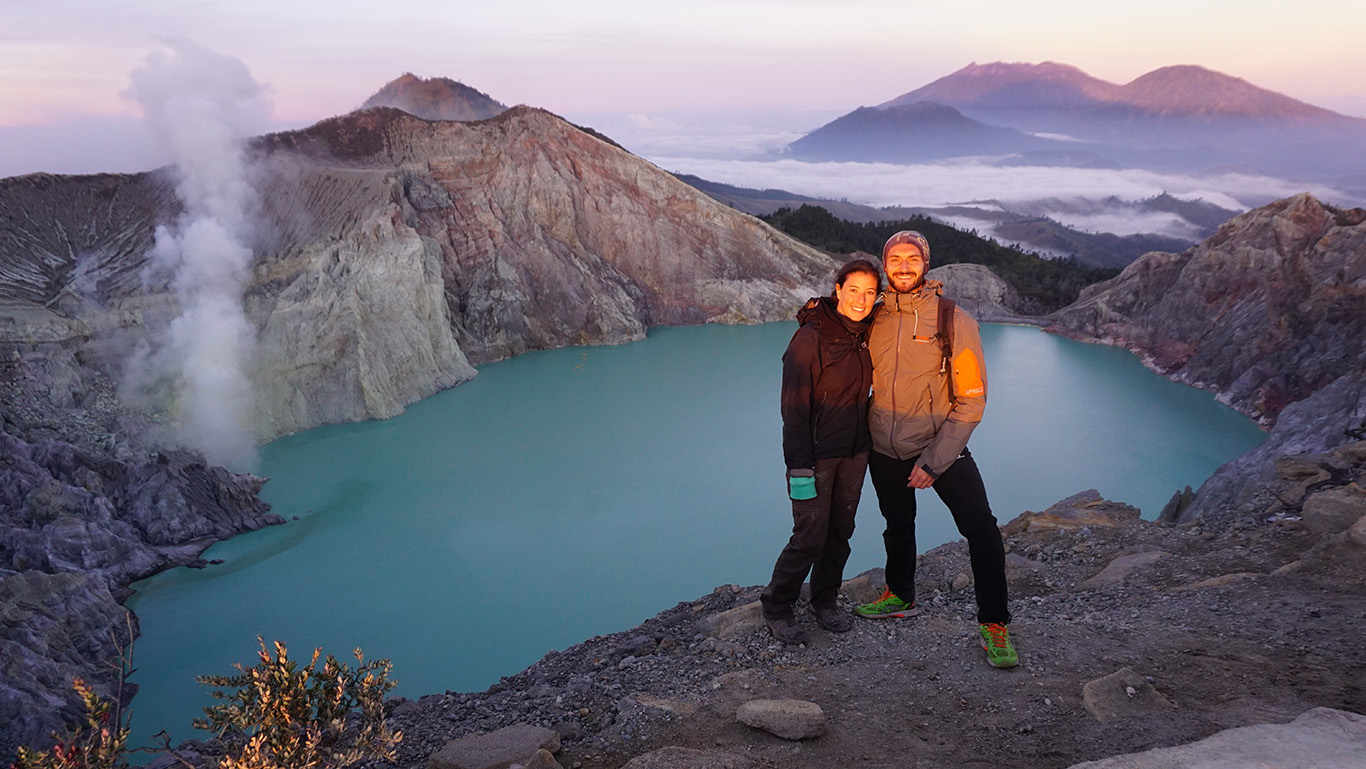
929	392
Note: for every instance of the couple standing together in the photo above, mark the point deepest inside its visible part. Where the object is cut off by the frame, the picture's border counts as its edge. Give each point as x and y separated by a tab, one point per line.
894	389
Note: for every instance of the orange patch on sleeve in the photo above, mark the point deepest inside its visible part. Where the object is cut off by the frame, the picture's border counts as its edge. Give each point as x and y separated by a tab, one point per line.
967	374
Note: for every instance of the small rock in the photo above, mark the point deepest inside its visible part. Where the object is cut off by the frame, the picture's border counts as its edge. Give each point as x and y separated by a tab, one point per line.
1357	534
1123	694
542	759
737	621
687	758
518	743
1299	467
569	730
1120	569
1334	510
789	719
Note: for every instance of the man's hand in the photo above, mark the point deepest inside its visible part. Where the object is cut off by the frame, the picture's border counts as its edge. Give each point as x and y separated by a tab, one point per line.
920	479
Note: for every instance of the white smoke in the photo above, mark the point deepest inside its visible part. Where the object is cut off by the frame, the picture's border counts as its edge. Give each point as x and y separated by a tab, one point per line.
203	104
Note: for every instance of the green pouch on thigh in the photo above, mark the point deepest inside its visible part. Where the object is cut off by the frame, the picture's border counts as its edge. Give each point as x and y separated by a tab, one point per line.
800	488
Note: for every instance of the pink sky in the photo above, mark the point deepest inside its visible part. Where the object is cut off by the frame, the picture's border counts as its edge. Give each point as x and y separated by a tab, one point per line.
65	63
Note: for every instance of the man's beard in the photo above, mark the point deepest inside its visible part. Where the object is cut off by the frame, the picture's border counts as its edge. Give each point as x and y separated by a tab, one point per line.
917	281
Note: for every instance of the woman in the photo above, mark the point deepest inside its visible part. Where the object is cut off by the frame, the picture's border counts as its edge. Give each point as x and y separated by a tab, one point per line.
827	375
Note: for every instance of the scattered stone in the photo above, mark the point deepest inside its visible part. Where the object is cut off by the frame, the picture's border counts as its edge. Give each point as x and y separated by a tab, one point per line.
1219	581
687	758
1300	467
1334	510
864	588
961	580
1352	453
789	719
1357	534
1121	568
542	759
1122	694
1020	570
737	621
404	707
1171	512
1322	737
637	646
496	750
569	730
634	704
1087	508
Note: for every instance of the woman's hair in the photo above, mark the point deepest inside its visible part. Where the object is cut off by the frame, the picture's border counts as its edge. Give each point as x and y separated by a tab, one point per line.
858	265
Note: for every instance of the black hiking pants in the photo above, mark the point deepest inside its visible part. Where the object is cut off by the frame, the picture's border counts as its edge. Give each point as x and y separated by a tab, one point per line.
962	490
821	528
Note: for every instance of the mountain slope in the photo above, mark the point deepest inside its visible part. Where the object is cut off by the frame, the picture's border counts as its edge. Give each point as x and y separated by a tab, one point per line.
1192	90
906	134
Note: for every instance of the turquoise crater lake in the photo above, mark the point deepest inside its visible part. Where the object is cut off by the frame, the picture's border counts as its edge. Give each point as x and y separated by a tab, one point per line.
570	493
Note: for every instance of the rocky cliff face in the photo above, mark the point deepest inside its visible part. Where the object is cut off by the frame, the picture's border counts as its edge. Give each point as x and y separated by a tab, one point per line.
395	252
392	253
982	293
1268	312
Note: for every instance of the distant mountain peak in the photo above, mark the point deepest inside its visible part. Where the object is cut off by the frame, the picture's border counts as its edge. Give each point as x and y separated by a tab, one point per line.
437	98
1183	89
1002	84
1189	89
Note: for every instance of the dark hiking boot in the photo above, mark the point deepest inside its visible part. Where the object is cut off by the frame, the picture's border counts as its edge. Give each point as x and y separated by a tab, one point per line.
786	630
832	619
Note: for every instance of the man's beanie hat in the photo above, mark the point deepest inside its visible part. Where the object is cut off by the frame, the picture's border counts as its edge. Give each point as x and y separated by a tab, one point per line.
908	236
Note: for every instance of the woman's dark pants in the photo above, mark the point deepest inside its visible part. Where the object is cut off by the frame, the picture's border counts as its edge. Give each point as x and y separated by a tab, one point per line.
961	489
821	528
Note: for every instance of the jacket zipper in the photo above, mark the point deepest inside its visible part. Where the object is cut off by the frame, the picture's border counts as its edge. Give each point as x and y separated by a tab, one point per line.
896	369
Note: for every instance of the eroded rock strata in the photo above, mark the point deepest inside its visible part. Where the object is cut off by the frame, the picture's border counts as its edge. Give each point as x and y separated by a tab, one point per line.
391	254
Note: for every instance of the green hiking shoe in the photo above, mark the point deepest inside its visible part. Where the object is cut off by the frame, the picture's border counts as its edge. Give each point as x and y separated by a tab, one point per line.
1000	651
887	606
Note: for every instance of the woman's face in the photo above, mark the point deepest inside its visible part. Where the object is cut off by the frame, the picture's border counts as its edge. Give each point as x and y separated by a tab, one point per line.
855	296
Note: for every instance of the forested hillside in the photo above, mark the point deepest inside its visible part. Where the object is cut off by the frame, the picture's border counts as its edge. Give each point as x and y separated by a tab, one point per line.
1048	283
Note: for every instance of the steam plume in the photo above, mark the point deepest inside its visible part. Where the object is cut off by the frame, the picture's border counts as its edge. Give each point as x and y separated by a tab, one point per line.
203	104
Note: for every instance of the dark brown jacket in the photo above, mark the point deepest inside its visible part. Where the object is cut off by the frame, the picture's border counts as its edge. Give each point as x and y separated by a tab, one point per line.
827	376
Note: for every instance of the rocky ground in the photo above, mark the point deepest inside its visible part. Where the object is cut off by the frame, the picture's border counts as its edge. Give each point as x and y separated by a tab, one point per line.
1132	635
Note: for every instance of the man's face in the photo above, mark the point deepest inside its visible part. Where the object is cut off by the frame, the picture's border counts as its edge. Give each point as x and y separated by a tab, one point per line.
905	267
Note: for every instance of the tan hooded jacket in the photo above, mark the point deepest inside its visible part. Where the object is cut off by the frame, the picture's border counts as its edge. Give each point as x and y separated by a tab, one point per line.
912	413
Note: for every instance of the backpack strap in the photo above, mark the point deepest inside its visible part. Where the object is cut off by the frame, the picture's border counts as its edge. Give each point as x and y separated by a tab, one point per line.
945	335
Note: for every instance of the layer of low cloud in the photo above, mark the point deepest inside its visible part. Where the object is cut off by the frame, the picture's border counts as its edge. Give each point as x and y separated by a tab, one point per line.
203	105
968	180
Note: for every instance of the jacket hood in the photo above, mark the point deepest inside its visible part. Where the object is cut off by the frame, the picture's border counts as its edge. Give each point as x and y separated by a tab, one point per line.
820	311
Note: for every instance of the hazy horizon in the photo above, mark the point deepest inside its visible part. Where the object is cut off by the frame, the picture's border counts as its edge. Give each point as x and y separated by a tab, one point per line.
64	104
